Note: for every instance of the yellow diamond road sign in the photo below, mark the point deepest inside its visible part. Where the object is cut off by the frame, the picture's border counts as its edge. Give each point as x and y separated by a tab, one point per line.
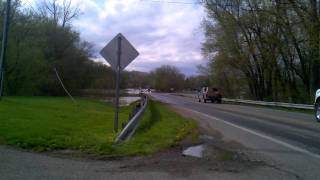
127	55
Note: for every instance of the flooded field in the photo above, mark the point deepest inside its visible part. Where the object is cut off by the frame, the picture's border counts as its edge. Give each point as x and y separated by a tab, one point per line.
124	101
127	96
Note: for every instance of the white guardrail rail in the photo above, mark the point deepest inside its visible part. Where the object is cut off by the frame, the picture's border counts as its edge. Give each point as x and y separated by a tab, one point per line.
263	103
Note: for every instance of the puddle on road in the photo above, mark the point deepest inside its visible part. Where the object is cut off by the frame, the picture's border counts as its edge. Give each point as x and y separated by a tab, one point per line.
194	151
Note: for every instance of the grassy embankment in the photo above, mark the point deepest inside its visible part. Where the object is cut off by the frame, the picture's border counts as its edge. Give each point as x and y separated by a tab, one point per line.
47	123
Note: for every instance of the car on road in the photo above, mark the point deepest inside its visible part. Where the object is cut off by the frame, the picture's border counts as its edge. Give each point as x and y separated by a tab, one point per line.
211	94
317	105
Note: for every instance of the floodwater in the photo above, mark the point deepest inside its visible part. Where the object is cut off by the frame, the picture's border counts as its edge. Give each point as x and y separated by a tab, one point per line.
138	91
123	101
194	151
133	91
126	101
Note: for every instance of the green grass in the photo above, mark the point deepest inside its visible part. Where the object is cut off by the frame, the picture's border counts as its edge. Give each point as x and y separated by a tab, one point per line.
159	129
48	123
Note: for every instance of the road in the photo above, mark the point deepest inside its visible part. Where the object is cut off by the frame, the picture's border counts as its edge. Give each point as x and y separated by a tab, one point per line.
289	140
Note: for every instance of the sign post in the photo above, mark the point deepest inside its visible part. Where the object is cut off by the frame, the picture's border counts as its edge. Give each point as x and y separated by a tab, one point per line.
116	116
119	53
4	45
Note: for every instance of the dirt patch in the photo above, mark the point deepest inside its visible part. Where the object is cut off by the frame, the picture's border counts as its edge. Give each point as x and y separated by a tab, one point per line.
173	162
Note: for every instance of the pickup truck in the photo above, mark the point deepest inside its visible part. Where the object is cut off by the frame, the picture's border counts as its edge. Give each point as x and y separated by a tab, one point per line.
317	105
211	94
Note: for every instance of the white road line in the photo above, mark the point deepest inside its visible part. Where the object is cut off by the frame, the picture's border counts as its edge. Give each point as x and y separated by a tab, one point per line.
295	148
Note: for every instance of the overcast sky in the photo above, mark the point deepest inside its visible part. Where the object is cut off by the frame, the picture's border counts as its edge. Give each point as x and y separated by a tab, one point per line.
163	33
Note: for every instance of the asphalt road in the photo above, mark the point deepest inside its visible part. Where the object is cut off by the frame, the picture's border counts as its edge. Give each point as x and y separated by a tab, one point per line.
289	140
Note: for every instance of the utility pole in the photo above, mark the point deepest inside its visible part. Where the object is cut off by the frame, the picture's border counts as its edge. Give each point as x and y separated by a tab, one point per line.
4	44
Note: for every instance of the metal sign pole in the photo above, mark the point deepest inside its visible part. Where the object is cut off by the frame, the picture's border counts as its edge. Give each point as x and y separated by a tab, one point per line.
4	45
119	53
116	116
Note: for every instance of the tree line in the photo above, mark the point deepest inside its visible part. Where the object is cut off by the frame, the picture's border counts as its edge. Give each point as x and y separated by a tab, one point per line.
42	39
264	49
257	49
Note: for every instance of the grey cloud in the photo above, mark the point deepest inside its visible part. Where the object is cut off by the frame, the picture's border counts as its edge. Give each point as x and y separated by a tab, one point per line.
162	35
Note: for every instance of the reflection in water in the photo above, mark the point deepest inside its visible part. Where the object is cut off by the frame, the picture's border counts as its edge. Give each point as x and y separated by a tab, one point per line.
194	151
133	91
124	101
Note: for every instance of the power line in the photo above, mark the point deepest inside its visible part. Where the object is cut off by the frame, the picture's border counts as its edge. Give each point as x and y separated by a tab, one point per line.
172	2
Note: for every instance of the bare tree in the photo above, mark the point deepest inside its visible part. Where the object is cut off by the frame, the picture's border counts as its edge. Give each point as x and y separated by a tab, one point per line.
60	13
69	12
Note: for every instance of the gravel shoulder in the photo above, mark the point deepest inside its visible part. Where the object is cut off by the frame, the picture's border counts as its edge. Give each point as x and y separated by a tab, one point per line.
15	164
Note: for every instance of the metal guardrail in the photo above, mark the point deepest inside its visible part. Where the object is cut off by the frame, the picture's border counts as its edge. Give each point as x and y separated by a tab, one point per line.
133	123
275	104
263	103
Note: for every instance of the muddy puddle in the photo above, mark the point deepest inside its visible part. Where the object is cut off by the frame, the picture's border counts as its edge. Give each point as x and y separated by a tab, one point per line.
210	148
194	151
